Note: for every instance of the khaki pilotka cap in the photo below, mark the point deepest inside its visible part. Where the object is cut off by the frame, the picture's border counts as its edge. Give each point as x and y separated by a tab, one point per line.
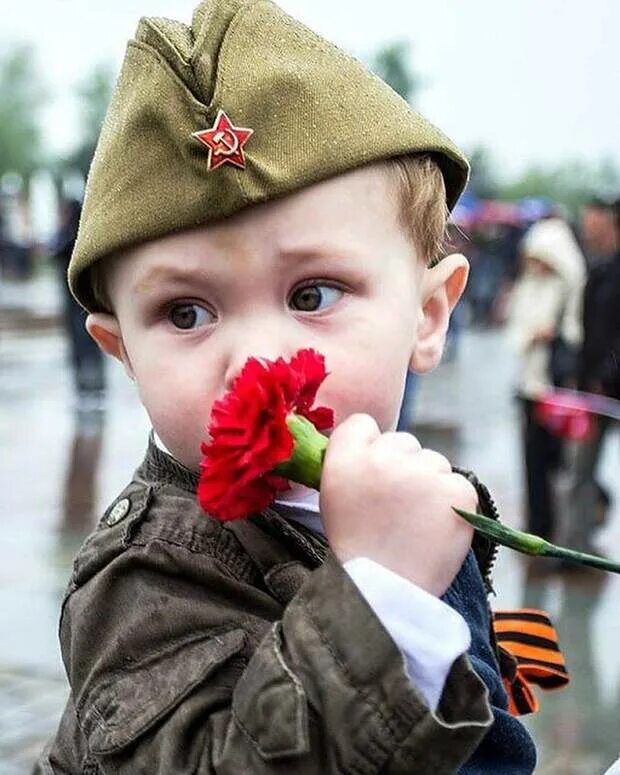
279	108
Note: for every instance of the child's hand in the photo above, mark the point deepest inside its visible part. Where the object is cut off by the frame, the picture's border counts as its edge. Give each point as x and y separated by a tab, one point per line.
386	498
542	336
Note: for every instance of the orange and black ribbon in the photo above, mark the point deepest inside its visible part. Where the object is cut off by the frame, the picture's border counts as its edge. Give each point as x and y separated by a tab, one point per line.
528	636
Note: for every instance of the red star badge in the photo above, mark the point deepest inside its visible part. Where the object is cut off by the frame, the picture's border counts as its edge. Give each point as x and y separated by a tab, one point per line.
225	142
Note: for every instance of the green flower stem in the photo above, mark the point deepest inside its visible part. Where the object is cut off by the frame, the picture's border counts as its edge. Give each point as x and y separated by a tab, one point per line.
306	463
527	543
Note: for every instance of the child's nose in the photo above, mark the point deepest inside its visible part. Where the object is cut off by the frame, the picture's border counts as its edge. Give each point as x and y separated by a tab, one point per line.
262	347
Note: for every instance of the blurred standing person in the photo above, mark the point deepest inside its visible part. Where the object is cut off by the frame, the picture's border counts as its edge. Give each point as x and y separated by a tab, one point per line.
406	416
598	232
544	304
599	366
86	357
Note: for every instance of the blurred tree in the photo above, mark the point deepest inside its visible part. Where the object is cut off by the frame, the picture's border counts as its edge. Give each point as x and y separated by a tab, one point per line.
93	93
483	180
392	63
571	183
21	99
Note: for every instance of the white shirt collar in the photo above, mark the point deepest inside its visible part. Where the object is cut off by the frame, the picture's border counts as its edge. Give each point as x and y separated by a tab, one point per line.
301	499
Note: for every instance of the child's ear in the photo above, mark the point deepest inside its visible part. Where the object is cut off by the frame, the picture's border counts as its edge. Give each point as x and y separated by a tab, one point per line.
442	287
106	331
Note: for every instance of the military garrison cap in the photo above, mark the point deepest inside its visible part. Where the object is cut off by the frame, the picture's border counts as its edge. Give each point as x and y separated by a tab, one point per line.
243	106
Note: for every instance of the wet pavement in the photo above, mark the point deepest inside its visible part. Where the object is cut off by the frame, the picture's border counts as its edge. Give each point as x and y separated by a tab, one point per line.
59	468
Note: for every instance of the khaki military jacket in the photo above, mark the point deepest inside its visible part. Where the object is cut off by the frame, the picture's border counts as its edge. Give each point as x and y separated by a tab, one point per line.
193	646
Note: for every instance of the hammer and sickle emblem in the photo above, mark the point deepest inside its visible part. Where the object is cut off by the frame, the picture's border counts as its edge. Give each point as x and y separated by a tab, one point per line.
227	143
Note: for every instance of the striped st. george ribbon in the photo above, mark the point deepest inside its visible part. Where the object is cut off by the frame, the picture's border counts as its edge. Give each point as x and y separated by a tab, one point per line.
529	637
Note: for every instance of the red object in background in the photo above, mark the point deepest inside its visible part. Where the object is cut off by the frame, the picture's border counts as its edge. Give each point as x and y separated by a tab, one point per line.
568	418
492	211
250	437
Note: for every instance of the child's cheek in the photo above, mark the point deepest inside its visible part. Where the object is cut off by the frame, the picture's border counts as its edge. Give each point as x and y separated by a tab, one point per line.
180	420
181	437
371	395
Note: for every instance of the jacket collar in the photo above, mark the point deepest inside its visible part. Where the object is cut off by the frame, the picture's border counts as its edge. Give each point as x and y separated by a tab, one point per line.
310	547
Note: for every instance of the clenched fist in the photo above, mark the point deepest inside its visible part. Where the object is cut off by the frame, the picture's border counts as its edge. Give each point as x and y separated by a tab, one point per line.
386	498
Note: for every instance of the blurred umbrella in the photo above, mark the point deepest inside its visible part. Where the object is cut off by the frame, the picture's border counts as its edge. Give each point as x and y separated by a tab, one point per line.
533	208
466	211
492	211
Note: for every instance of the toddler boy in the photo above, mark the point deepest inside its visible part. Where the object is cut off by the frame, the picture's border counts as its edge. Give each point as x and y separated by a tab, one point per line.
256	191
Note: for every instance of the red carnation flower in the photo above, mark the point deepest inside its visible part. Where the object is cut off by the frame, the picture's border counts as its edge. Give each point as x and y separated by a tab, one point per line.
250	432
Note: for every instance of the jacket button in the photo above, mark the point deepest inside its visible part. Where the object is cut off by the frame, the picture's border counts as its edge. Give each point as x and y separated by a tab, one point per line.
120	511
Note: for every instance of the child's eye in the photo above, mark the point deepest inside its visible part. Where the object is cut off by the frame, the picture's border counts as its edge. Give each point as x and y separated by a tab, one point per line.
311	298
188	316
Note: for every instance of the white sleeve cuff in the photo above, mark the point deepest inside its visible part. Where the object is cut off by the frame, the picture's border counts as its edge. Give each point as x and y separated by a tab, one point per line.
429	632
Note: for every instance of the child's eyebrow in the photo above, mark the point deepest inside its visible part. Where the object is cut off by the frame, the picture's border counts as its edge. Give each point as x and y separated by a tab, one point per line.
155	276
316	252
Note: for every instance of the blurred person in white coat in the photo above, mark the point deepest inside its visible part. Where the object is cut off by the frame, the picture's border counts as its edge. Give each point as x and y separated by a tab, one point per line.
614	769
545	304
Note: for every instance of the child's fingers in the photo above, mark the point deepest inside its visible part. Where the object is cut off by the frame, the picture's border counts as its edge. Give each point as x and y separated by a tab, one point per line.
434	460
356	432
398	442
465	495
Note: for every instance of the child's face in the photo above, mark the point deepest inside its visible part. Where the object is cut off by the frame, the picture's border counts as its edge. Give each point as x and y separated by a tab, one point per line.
329	267
537	267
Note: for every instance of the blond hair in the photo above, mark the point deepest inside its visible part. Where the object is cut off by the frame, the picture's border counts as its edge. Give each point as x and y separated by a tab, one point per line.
423	212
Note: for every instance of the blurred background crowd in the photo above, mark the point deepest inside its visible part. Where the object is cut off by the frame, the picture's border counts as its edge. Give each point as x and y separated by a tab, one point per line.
528	394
